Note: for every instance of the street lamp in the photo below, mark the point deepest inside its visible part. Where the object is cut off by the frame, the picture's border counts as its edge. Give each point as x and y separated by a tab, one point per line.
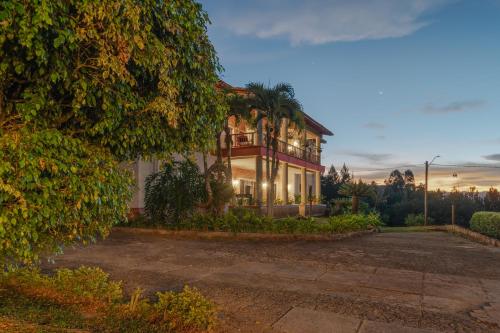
455	175
426	214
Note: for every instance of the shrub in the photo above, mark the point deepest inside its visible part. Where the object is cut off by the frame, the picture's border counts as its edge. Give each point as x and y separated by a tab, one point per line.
85	298
244	220
353	222
173	193
487	223
87	282
416	220
188	310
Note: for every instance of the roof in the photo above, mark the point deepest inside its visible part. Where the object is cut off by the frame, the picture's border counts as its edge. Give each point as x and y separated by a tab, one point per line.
316	125
310	121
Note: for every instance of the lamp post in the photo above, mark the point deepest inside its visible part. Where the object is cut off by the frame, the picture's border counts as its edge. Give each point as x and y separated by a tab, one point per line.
427	164
453	215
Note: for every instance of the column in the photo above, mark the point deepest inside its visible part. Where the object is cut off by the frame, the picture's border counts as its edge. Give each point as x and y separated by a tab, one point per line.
317	178
259	133
258	180
303	192
304	141
318	148
284	182
284	130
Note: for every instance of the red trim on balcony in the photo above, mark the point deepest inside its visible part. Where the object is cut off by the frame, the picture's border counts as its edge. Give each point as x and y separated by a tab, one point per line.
256	151
295	161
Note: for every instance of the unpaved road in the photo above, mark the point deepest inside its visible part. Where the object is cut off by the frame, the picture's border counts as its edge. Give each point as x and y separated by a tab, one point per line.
388	282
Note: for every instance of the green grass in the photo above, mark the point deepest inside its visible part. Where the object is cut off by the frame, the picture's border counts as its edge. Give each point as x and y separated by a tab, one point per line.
39	312
406	229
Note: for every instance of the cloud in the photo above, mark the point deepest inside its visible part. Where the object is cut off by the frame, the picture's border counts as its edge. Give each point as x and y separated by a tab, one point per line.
492	157
372	157
324	21
374	125
454	107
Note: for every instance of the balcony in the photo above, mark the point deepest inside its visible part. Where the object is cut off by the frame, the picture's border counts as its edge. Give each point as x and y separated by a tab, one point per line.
246	140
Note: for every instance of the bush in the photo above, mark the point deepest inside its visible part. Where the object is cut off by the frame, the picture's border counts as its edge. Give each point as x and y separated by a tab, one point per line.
55	190
87	282
244	220
173	193
187	310
487	223
86	299
353	222
417	220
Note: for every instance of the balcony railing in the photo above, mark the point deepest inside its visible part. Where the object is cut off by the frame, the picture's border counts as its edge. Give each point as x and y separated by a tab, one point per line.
250	140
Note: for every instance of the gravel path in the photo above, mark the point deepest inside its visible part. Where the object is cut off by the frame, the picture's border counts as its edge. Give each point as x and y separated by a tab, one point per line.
388	282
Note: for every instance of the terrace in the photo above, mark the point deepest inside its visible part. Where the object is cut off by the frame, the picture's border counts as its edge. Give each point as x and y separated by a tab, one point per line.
250	139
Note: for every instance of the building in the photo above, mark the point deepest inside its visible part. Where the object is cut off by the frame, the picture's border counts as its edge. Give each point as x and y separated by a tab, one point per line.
299	155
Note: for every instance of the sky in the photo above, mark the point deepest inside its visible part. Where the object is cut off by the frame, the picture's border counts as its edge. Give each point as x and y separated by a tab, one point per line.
397	81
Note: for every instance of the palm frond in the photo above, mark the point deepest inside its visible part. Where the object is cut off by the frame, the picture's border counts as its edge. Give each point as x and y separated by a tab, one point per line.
284	88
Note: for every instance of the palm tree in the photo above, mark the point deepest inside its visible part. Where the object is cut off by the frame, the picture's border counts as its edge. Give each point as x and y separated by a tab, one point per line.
274	104
356	191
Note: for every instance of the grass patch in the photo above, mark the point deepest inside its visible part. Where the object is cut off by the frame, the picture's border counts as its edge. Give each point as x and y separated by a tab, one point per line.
84	299
406	229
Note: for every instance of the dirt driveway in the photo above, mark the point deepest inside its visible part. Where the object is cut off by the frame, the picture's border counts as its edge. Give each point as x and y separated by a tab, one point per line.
388	282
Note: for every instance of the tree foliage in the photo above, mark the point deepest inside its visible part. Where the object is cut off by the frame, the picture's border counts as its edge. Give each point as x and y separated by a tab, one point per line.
86	84
402	198
333	181
127	75
55	190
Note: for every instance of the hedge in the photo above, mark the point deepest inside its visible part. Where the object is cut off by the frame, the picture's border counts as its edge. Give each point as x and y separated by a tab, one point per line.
244	220
487	223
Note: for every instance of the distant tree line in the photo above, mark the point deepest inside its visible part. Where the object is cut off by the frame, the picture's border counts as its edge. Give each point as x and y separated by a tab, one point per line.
399	197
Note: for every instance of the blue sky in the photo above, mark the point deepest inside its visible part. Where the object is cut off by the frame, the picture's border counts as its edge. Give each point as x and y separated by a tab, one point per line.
397	81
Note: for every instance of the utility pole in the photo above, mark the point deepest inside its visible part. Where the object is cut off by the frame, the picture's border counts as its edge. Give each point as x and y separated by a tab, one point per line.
453	213
426	208
425	191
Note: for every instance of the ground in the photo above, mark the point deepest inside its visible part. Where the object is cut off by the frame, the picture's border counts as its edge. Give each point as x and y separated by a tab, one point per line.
386	282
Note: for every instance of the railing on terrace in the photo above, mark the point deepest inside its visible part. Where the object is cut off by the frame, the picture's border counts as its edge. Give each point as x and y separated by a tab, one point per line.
250	140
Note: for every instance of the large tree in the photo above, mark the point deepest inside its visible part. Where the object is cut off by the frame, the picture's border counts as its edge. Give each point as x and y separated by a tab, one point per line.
86	84
273	106
345	174
330	184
